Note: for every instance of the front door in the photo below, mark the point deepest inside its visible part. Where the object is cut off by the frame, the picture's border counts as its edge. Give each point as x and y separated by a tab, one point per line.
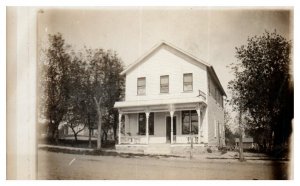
168	128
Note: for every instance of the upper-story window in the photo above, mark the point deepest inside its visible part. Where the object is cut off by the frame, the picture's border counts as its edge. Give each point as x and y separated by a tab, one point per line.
164	84
187	82
141	86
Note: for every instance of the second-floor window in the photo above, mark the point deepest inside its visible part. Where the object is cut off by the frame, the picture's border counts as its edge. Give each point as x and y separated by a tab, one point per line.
187	82
164	84
141	86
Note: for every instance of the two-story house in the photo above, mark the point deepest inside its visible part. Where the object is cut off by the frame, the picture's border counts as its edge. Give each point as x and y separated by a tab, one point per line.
171	97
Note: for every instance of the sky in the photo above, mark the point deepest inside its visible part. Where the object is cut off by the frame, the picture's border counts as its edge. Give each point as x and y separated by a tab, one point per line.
209	34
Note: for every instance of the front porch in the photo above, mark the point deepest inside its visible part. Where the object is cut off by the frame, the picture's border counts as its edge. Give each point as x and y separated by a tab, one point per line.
162	149
177	139
179	122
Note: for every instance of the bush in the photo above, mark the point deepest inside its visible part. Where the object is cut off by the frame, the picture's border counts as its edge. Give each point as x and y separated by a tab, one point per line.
223	150
209	150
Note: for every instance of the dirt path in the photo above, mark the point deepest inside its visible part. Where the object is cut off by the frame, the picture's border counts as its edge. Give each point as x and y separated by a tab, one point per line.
53	165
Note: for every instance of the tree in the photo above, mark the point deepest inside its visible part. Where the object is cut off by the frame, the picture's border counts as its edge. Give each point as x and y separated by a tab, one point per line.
54	79
80	88
75	117
106	85
262	88
229	135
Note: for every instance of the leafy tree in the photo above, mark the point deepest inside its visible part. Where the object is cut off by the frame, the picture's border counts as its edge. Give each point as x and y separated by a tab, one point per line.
76	114
54	79
262	88
106	85
102	85
81	88
229	135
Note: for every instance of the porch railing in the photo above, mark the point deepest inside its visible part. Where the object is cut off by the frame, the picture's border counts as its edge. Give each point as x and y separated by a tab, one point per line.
187	139
133	139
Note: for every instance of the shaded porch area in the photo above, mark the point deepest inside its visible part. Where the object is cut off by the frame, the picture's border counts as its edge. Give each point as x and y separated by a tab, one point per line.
176	122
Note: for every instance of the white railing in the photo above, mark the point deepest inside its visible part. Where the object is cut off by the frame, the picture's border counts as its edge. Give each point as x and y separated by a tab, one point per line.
187	139
179	139
133	139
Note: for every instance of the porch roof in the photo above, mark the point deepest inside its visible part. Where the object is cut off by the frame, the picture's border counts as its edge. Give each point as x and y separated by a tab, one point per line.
158	102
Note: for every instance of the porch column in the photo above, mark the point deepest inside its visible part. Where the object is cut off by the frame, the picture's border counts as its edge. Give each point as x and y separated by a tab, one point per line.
199	124
120	125
172	114
147	126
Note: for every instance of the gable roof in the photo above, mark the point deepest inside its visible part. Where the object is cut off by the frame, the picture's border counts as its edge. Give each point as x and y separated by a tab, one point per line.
210	68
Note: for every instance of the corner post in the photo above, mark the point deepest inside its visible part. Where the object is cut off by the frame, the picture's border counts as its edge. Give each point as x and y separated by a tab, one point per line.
199	123
172	137
147	126
120	125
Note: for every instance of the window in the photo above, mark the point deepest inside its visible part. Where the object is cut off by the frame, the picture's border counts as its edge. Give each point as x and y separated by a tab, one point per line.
185	122
164	84
187	82
141	86
142	124
189	122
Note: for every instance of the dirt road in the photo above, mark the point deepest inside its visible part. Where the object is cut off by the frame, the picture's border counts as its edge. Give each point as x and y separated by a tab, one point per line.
52	165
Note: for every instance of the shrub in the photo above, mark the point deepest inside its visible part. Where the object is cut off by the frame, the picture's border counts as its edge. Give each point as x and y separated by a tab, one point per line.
209	150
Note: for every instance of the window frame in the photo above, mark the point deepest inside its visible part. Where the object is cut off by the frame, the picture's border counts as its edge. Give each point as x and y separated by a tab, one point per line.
141	86
187	83
163	85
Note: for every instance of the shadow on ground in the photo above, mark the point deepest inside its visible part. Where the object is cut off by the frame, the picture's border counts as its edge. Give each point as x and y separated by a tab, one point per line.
104	153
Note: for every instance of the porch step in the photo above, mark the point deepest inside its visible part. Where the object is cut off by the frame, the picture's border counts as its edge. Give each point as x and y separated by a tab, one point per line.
158	149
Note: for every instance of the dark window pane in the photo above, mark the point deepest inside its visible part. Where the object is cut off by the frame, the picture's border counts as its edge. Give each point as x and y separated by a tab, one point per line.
189	122
142	123
185	128
151	124
195	127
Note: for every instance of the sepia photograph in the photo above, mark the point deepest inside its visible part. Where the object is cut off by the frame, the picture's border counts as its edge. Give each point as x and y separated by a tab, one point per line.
150	93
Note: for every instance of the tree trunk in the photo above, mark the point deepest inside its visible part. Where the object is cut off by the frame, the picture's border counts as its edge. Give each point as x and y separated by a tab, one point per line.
115	132
90	137
241	138
90	132
98	108
99	131
56	134
53	131
105	135
75	136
